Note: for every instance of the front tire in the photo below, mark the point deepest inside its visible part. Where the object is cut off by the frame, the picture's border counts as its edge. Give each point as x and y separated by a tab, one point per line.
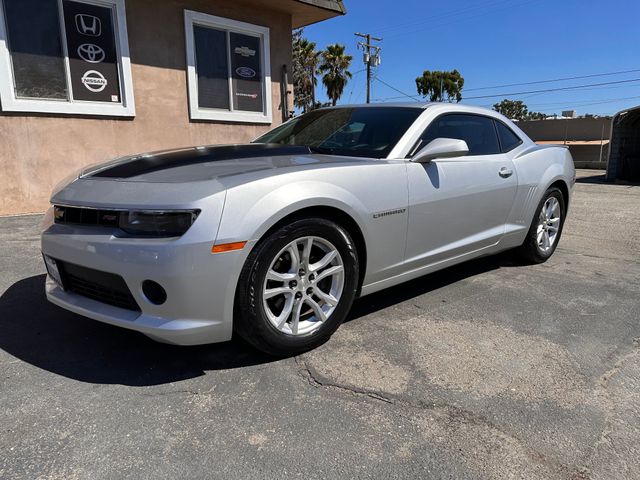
296	287
546	227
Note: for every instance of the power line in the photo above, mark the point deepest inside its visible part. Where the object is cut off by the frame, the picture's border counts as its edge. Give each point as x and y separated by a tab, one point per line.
574	104
397	90
574	87
553	80
355	74
511	94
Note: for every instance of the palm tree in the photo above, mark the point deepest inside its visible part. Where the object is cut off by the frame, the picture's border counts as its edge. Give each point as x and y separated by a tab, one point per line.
305	66
334	66
309	58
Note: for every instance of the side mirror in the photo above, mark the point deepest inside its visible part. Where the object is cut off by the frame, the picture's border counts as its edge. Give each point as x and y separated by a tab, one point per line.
441	148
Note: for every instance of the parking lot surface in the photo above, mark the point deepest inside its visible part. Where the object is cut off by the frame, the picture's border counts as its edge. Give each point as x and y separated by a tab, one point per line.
491	369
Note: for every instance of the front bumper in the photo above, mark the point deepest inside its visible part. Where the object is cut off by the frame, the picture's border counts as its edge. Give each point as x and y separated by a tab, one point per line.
200	286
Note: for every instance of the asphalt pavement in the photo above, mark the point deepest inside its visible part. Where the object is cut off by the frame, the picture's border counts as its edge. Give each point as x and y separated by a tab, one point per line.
490	369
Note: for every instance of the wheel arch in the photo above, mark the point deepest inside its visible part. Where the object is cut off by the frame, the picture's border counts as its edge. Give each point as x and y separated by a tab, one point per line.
564	188
333	214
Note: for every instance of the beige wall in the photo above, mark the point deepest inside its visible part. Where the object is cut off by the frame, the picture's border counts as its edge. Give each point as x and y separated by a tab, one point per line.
37	151
567	129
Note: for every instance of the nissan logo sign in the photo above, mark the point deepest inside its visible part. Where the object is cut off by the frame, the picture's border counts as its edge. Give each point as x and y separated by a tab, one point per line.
91	53
246	72
94	81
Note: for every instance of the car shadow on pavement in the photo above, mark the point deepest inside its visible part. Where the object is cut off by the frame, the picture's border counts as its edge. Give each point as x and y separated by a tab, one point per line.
48	337
429	283
599	178
51	338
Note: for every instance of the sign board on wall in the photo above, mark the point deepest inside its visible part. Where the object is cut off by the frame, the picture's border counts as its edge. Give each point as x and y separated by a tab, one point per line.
93	60
246	72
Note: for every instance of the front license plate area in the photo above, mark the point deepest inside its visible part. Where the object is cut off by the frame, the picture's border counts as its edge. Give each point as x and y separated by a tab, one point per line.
52	270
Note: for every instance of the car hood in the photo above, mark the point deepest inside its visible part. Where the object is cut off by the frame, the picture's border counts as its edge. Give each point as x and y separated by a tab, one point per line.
154	178
206	163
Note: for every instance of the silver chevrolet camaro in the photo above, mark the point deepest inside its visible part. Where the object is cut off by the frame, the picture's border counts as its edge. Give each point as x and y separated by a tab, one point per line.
275	239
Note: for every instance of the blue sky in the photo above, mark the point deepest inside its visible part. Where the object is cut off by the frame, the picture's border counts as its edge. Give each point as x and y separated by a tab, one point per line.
497	42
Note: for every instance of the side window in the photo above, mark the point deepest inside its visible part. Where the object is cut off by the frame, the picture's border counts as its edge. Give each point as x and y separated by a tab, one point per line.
476	130
508	139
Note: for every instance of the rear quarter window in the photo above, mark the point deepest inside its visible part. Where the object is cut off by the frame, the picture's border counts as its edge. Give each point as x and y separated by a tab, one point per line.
508	139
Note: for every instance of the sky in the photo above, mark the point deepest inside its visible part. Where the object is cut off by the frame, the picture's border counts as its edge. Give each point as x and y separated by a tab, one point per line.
494	43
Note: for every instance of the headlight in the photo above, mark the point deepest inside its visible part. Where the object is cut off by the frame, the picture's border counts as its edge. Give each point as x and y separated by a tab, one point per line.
157	224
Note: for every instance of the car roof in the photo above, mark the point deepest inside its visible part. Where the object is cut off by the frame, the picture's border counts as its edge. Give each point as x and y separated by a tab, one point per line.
422	105
454	107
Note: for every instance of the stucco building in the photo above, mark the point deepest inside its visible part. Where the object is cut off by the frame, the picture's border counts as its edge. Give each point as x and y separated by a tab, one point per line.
82	81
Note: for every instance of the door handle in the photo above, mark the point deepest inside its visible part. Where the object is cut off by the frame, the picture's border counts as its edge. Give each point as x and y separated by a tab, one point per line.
505	172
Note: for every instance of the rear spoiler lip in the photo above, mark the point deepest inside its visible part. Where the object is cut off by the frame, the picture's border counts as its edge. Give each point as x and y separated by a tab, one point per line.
535	146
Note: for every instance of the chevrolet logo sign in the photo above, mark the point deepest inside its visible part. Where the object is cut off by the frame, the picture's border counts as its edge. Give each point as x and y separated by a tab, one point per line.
245	51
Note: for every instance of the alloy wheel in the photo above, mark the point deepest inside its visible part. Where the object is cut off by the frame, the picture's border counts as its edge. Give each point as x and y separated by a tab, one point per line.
303	285
548	224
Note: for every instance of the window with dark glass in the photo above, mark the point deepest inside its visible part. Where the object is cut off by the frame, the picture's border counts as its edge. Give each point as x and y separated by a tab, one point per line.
229	70
41	38
33	28
212	67
476	130
358	132
508	139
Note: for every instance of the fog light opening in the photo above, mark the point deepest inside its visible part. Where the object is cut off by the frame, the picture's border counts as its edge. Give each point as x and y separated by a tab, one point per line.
154	292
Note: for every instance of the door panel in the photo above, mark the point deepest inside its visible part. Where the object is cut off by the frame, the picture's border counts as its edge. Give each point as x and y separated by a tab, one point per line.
457	205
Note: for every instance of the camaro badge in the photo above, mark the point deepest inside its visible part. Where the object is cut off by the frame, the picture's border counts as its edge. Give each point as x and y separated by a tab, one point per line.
389	212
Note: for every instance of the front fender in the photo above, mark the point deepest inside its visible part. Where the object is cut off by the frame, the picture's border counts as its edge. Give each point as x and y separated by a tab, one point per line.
249	214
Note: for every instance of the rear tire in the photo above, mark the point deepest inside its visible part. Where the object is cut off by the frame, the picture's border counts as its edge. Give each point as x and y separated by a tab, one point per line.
546	228
296	287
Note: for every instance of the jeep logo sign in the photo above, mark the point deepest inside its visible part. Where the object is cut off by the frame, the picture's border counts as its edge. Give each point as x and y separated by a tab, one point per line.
246	72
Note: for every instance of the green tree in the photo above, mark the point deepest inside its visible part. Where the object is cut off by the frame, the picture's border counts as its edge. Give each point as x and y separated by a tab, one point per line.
335	69
305	66
441	86
517	110
536	116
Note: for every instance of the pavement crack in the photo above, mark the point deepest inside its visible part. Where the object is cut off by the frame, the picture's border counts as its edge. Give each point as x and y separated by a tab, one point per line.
452	413
605	378
316	380
602	392
185	391
171	392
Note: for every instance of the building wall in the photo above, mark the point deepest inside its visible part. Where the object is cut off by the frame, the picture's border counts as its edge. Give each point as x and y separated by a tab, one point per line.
594	130
567	129
37	151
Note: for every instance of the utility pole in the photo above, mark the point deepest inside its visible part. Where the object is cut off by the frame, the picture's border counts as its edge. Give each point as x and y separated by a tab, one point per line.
371	56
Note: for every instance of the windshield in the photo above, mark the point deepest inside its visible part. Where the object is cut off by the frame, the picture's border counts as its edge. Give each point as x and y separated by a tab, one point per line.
359	132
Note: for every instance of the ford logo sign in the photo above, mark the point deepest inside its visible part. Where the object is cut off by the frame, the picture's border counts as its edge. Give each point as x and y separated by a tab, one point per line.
246	72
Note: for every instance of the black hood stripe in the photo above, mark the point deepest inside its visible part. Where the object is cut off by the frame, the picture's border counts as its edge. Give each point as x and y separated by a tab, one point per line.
191	156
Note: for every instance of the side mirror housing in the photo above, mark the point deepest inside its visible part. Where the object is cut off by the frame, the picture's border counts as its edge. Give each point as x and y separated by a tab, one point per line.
441	148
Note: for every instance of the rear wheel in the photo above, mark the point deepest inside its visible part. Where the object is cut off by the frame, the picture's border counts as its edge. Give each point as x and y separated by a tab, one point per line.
296	287
546	228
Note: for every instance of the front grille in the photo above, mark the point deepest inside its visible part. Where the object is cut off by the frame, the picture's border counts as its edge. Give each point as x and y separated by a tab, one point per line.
101	286
86	216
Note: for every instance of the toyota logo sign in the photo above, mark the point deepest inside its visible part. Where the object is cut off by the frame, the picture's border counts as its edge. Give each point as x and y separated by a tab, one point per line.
91	53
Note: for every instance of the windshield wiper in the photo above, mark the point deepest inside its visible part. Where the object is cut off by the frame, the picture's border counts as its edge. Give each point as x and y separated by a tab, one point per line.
321	150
